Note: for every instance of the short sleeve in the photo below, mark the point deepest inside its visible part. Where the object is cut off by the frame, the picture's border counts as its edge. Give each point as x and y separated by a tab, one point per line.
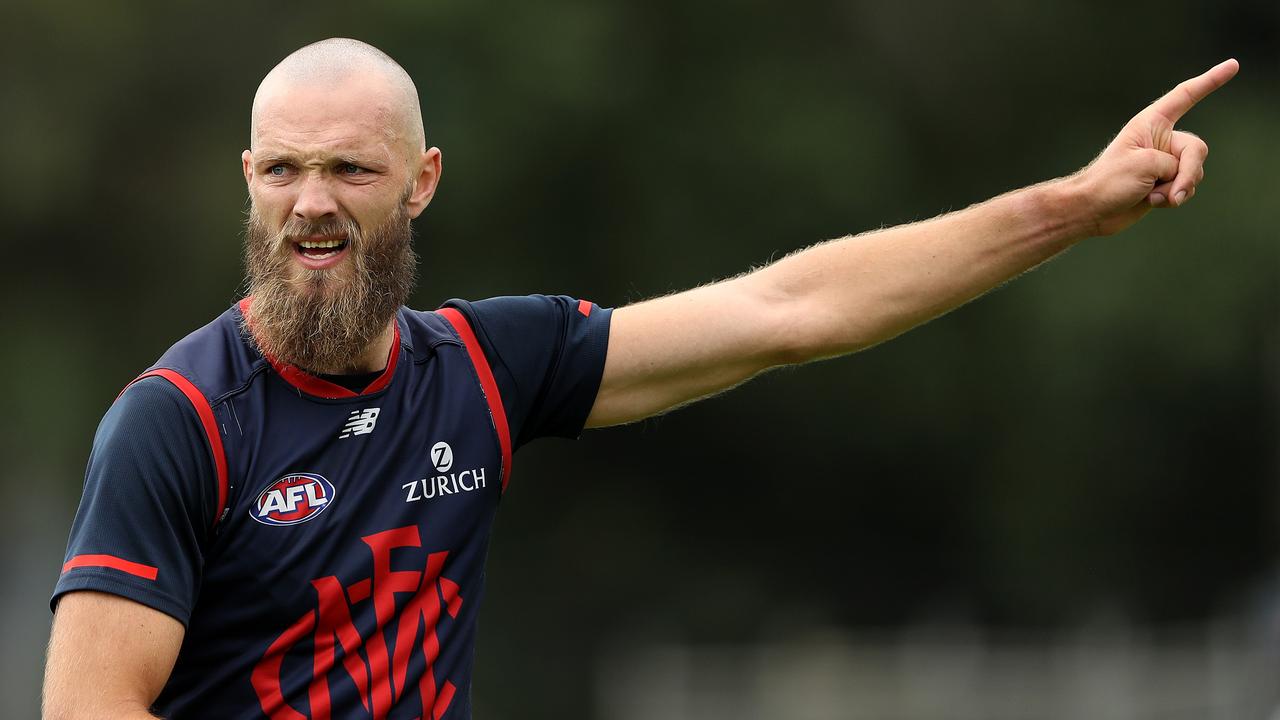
142	525
547	353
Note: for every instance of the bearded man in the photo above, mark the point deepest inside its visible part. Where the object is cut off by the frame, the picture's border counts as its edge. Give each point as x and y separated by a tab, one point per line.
287	515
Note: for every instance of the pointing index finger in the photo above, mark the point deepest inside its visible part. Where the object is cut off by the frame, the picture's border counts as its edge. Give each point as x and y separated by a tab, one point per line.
1175	103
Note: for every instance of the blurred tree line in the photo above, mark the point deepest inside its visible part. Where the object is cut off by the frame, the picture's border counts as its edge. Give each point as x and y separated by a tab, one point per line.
1098	437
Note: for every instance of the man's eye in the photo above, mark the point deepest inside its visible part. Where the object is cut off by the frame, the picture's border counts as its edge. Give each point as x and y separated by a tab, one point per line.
349	169
277	170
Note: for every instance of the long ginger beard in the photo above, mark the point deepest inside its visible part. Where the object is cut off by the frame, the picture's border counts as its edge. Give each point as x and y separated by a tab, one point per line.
323	321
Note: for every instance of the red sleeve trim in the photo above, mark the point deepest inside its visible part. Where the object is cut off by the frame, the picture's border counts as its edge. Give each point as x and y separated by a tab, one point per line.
487	384
584	307
205	412
146	572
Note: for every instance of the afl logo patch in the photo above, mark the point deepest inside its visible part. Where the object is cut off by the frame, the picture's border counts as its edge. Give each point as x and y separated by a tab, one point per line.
293	499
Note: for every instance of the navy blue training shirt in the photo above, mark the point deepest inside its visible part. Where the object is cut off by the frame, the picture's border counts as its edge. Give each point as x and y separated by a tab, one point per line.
325	547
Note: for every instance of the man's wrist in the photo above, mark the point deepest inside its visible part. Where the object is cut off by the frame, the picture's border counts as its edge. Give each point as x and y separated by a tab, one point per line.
1064	210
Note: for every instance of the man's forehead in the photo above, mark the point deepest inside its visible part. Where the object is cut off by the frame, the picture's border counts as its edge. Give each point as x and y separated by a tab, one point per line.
349	113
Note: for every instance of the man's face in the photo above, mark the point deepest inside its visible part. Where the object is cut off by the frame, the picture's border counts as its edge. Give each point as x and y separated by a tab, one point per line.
333	186
325	155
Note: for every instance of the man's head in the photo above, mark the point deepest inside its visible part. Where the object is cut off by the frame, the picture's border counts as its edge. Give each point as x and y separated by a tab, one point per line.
337	168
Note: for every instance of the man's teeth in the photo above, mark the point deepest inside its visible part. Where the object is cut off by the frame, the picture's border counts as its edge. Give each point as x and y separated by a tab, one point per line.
316	244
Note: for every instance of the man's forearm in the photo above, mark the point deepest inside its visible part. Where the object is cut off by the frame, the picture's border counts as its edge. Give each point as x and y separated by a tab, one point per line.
858	291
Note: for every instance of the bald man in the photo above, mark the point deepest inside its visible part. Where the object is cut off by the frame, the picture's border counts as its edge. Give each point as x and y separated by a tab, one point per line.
287	515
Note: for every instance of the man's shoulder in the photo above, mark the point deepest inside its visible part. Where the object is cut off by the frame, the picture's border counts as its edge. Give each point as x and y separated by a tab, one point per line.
421	330
431	327
520	310
216	358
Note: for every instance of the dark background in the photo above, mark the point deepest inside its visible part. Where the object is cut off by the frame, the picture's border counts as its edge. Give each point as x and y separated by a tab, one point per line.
1098	438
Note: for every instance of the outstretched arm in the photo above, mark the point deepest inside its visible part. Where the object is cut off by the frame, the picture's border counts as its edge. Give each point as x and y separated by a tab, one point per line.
847	294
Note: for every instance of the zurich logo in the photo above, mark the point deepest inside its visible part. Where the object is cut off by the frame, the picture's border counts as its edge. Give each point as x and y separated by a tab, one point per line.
442	456
292	499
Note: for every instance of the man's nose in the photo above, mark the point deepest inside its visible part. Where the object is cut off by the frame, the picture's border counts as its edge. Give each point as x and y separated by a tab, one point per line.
315	199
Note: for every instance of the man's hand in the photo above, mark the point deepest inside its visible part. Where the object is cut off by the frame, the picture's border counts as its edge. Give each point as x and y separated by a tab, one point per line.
841	296
1149	164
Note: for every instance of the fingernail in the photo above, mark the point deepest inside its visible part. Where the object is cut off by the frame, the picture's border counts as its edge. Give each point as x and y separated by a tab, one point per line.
1182	195
1157	199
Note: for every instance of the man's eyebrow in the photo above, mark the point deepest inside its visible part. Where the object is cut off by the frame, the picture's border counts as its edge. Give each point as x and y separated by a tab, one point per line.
368	160
276	157
363	160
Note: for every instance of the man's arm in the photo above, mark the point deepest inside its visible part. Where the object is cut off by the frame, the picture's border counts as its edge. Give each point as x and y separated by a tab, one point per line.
133	558
841	296
109	657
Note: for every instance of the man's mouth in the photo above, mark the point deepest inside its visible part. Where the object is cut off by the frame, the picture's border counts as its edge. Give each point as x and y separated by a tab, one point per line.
318	252
322	248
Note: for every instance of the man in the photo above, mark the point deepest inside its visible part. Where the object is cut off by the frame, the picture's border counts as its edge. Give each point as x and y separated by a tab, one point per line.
287	515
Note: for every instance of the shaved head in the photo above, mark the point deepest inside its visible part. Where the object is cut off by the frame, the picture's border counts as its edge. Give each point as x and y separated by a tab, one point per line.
343	65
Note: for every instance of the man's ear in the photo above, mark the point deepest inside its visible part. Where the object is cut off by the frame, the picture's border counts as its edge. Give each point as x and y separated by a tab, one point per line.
424	186
246	162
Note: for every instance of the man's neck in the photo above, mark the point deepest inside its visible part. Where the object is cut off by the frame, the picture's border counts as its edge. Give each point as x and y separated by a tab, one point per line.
375	355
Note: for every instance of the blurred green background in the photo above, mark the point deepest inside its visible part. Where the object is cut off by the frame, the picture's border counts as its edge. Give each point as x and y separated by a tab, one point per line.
1096	439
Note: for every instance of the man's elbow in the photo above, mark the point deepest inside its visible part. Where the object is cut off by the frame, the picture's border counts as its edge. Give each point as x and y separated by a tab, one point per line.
804	334
797	326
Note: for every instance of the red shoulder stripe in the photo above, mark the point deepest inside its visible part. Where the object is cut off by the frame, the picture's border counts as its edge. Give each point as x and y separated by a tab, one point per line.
205	412
487	384
146	572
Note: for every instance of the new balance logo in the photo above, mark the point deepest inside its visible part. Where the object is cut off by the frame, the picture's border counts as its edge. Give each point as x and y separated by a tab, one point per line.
361	422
